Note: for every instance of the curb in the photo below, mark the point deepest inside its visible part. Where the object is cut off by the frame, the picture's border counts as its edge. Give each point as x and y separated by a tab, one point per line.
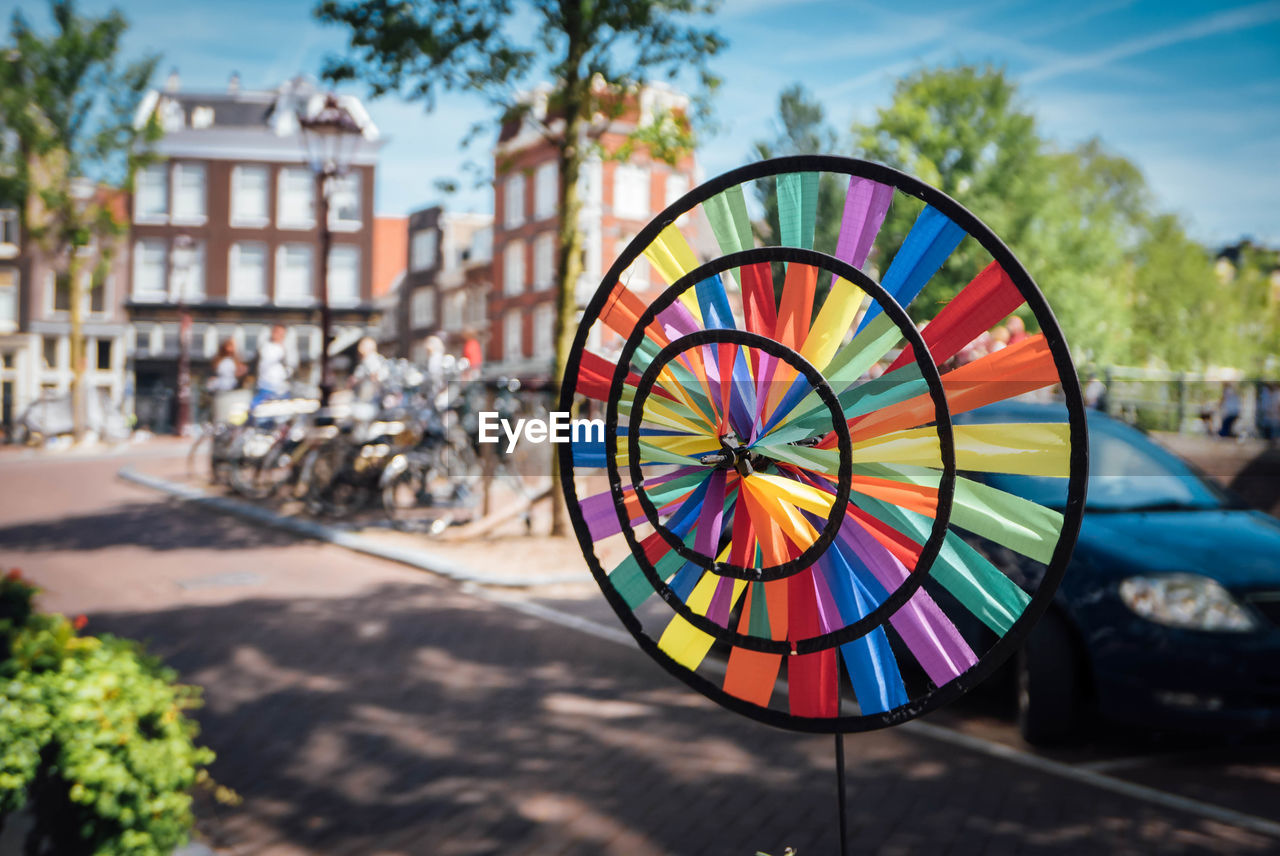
419	559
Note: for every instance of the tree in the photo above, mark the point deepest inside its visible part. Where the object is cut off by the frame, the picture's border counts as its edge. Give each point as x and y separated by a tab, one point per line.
69	101
1072	217
592	49
801	129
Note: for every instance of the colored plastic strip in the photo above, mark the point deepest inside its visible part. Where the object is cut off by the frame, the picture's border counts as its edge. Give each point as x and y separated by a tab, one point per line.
1018	448
672	258
865	205
933	237
990	297
797	208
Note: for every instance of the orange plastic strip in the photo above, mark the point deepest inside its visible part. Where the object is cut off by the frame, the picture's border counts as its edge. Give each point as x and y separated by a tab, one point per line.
989	297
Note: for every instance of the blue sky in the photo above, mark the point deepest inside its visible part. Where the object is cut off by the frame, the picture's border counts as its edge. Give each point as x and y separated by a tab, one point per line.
1190	91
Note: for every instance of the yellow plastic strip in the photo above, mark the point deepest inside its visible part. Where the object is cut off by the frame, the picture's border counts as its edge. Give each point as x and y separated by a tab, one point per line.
835	318
672	257
777	488
1018	448
683	444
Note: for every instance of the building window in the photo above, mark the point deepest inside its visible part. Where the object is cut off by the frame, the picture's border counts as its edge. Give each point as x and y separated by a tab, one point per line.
544	261
190	279
104	355
455	305
149	262
677	186
142	340
344	274
151	195
61	291
422	251
344	201
513	201
9	231
248	281
188	193
249	196
99	284
544	327
630	192
293	274
422	312
296	206
49	350
545	190
512	346
8	296
636	276
513	268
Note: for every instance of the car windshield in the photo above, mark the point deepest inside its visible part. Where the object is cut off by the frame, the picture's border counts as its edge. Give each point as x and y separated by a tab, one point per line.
1127	472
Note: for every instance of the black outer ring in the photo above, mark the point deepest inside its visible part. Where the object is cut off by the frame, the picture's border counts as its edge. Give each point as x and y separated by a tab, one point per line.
839	425
1077	484
946	487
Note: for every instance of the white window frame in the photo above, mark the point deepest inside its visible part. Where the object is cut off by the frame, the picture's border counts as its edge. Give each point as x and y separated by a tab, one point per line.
513	201
336	270
10	225
341	187
513	276
455	309
546	190
285	273
422	249
285	179
160	293
193	217
233	268
144	186
9	297
512	345
250	220
422	308
631	192
195	285
544	324
544	261
677	185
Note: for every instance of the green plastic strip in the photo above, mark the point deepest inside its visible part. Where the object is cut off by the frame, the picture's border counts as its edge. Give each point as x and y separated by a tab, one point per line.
797	208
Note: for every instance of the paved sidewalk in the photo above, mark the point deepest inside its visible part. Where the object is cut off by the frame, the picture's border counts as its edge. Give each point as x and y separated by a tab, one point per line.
362	707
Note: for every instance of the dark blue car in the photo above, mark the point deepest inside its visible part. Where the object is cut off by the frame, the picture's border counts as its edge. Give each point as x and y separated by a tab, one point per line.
1169	613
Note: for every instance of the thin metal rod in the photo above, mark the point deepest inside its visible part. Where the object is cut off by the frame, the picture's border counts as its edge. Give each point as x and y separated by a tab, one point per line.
844	822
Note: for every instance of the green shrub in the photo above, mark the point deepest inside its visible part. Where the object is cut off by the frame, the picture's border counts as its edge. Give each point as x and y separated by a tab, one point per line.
94	739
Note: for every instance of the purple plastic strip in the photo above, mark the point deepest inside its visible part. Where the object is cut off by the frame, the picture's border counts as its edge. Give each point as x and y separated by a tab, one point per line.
865	207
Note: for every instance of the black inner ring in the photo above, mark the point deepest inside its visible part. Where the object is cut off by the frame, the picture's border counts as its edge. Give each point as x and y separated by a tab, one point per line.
946	487
841	428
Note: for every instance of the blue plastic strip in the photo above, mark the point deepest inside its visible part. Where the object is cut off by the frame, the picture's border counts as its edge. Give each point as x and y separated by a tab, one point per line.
932	238
714	303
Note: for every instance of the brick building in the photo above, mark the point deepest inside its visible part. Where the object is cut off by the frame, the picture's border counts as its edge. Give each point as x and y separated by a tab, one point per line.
234	179
447	283
35	325
618	200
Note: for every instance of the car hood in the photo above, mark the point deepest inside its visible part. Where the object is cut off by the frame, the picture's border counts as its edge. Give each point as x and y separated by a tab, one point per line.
1240	549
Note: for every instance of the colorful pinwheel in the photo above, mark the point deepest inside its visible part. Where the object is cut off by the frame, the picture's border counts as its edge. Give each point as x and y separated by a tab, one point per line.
781	509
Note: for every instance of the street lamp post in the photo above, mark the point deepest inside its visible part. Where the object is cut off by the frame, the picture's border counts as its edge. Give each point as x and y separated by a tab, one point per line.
184	247
330	134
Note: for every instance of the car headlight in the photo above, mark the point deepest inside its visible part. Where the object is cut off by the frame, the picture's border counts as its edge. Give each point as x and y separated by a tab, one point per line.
1188	601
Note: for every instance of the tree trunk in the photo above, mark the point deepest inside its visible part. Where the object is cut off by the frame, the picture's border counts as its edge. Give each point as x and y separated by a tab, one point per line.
569	269
76	315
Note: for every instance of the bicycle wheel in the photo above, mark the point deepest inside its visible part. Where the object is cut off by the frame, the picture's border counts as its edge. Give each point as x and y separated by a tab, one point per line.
780	461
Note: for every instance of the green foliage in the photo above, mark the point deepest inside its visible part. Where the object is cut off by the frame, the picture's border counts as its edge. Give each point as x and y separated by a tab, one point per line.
94	737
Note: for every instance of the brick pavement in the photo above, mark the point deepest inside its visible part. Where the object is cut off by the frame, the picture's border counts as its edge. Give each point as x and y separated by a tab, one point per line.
363	708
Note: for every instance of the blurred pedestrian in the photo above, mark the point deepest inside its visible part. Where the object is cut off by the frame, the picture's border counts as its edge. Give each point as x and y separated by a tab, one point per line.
1269	410
274	368
1095	393
1000	338
1228	410
1017	330
371	373
227	368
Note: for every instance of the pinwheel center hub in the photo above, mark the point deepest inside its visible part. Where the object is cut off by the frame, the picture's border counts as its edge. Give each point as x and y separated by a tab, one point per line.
735	455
